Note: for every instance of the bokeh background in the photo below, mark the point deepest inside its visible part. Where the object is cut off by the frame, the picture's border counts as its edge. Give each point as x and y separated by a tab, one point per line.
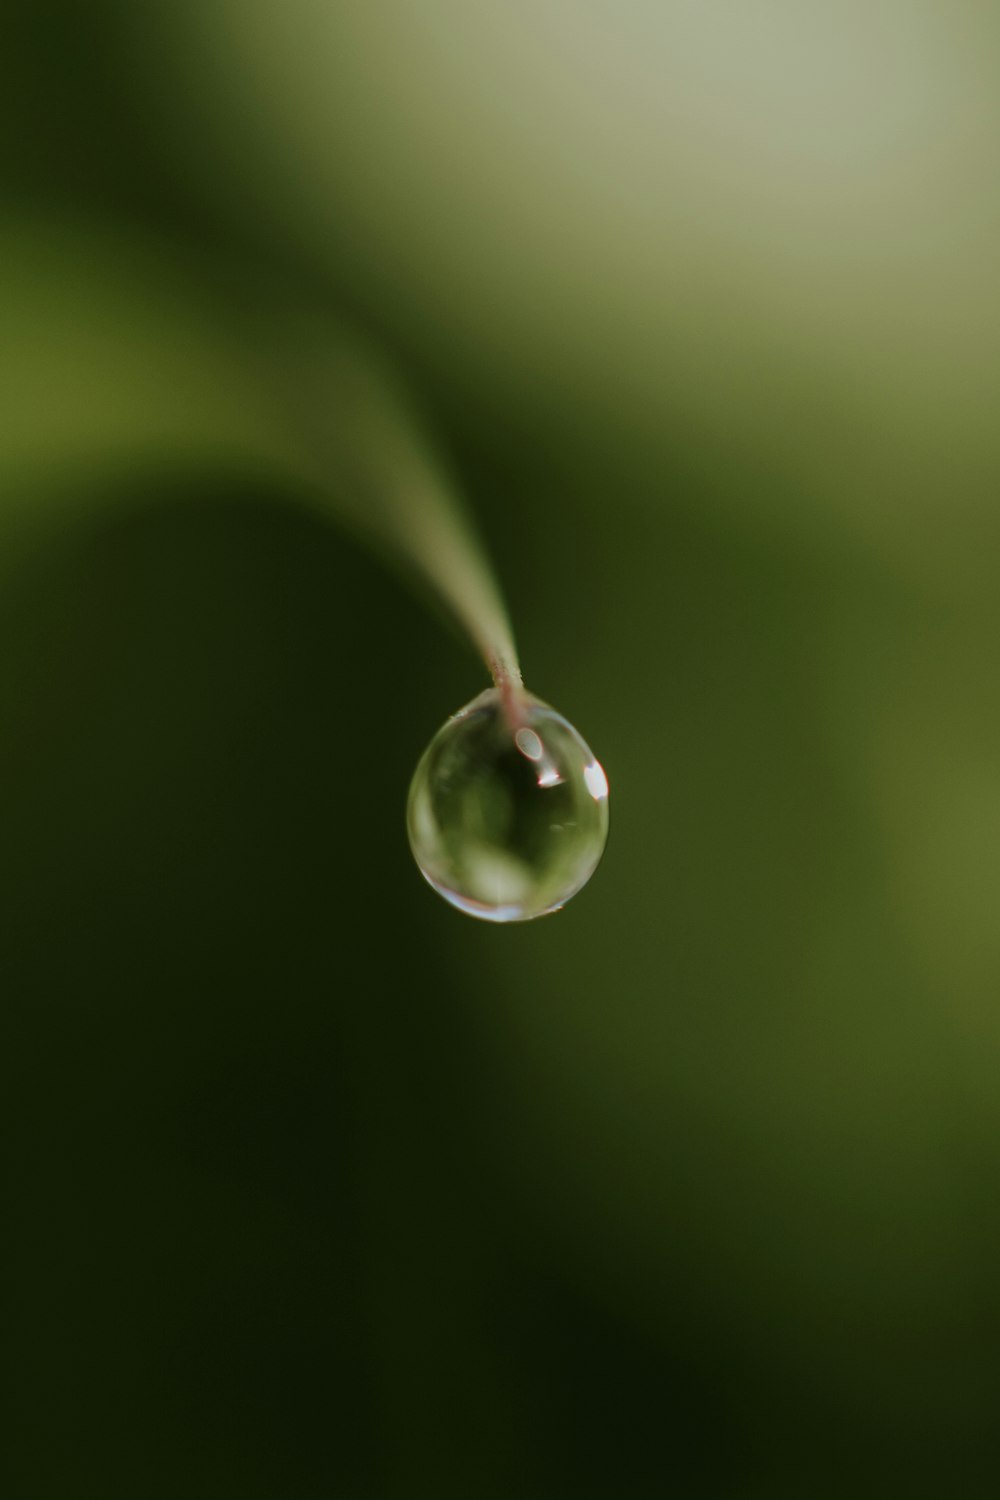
315	1187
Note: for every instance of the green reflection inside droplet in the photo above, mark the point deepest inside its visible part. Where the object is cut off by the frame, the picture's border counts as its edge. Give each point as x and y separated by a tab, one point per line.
508	810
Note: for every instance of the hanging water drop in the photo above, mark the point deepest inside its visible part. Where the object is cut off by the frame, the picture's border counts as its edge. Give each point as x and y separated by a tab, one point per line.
508	809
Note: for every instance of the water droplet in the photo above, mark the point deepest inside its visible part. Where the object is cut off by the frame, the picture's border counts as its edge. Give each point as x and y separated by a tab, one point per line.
508	810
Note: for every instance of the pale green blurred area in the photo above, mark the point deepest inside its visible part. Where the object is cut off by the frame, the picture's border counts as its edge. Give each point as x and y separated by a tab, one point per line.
770	227
703	301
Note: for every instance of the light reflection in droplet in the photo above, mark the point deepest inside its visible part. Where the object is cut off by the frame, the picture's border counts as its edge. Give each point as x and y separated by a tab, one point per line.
529	744
597	782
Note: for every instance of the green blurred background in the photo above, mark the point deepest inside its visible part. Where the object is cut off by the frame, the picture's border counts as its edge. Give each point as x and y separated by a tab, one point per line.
314	1187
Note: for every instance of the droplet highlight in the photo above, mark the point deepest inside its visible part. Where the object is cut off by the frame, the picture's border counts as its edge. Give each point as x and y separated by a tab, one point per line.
508	810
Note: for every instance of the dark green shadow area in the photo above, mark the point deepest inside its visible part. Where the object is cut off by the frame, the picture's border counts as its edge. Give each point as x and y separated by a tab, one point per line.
260	1239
